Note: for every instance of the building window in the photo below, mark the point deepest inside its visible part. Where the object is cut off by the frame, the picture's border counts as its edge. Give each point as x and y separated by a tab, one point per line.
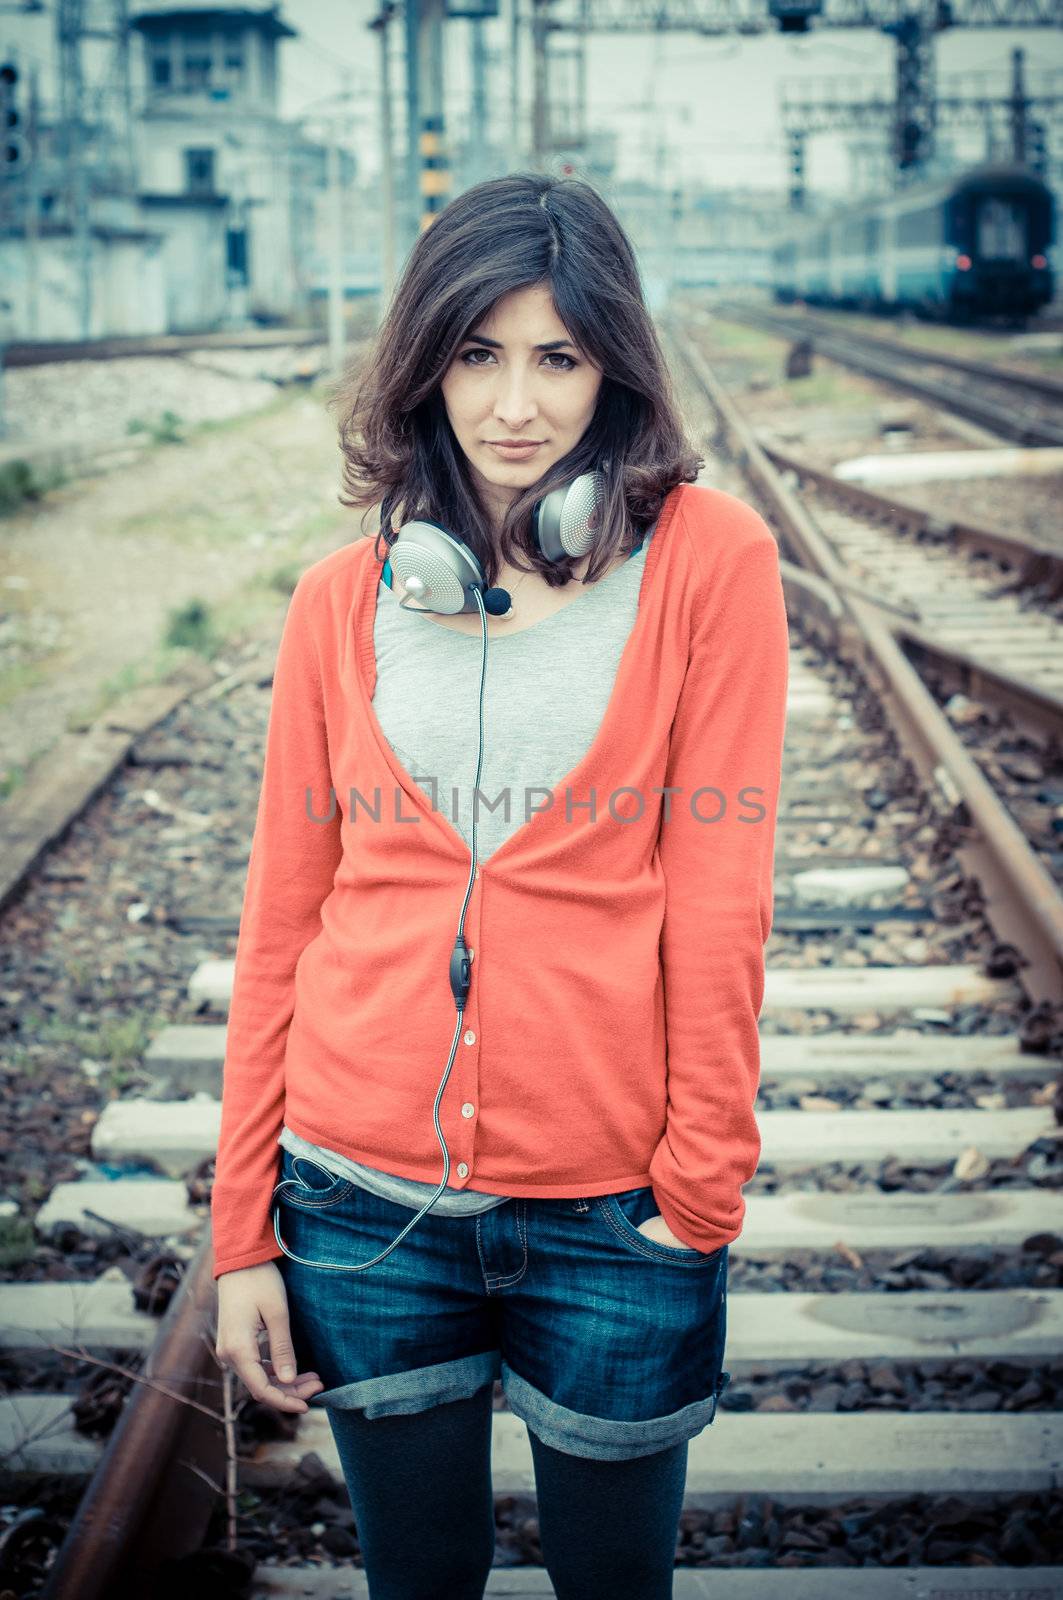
197	66
199	171
236	258
230	76
161	70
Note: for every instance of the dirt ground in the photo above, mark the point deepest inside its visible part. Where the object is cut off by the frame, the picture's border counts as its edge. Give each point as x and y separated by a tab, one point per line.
89	574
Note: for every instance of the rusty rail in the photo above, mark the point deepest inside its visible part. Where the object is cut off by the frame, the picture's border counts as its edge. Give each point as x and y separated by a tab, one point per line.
1023	904
157	1483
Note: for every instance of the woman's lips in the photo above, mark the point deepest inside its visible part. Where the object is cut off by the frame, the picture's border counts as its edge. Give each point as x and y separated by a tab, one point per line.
514	451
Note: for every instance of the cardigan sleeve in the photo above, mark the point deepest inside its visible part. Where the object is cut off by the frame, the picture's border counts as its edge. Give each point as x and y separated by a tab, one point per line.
726	742
291	869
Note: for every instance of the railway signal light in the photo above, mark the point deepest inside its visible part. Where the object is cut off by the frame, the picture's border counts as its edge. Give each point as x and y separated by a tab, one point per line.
12	142
1036	150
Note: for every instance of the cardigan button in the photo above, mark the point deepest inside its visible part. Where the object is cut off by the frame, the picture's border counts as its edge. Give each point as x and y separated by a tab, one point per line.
463	1171
468	1109
470	1037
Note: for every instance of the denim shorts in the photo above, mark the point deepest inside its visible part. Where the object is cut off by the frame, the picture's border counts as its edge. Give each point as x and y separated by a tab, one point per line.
607	1344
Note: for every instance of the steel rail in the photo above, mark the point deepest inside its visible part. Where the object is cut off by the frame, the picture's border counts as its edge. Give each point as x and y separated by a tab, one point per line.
1008	423
1022	903
155	1488
23	353
1035	382
1038	563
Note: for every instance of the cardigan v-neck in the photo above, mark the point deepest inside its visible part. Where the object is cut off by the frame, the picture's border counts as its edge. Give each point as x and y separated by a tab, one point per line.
369	598
609	1038
470	664
543	700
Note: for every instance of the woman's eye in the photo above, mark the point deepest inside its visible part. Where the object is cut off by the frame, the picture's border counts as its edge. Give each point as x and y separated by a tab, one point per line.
554	355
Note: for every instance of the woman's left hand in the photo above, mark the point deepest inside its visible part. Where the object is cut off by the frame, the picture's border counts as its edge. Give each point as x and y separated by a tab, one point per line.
656	1228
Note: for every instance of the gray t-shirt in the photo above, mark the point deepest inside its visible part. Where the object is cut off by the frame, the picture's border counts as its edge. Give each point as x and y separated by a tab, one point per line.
536	731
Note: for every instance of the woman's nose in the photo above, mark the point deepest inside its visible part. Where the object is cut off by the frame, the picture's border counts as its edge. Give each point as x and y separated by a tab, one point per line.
514	403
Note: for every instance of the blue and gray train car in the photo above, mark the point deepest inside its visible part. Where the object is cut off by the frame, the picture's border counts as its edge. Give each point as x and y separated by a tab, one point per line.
977	245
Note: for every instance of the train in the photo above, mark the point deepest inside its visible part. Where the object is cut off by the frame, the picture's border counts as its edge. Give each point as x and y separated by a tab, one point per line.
970	248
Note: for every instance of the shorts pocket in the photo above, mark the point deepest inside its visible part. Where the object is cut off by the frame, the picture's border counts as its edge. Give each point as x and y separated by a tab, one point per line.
309	1186
623	1214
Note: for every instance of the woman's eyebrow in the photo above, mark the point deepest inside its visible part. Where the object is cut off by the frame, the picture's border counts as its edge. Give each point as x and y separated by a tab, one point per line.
554	344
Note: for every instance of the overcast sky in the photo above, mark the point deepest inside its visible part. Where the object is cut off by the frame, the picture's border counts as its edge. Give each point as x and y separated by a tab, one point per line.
713	102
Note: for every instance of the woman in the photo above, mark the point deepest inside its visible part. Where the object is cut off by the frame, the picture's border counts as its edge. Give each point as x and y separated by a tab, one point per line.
595	1114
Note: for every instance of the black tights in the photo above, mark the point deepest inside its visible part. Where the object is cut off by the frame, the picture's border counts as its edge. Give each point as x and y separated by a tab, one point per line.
420	1488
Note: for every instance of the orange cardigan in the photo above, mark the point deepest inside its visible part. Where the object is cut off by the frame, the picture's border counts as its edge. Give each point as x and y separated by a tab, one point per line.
610	1035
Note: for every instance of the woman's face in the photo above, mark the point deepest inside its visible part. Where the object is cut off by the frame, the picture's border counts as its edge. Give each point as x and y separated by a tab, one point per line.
500	386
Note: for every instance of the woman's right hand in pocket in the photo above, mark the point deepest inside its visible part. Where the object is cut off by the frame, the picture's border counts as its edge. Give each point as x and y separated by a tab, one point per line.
253	1300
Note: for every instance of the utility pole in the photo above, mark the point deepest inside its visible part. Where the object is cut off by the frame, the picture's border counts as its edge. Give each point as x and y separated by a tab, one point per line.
33	208
478	108
582	73
1019	107
540	108
336	330
412	18
334	118
914	104
379	26
73	139
434	164
514	79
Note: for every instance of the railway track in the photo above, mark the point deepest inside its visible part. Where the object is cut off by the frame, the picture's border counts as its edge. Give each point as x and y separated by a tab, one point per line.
1009	377
1015	405
982	609
956	554
40	352
894	1425
963	632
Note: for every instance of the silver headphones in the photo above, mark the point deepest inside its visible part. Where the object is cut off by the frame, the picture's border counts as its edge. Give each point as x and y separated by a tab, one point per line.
443	575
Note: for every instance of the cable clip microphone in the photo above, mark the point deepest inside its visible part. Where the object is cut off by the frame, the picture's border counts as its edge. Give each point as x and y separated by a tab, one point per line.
460	972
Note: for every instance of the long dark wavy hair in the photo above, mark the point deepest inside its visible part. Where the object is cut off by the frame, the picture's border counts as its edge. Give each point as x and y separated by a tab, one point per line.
399	450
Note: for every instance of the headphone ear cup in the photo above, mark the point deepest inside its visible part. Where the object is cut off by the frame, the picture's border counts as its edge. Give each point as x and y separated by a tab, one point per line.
435	567
565	521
